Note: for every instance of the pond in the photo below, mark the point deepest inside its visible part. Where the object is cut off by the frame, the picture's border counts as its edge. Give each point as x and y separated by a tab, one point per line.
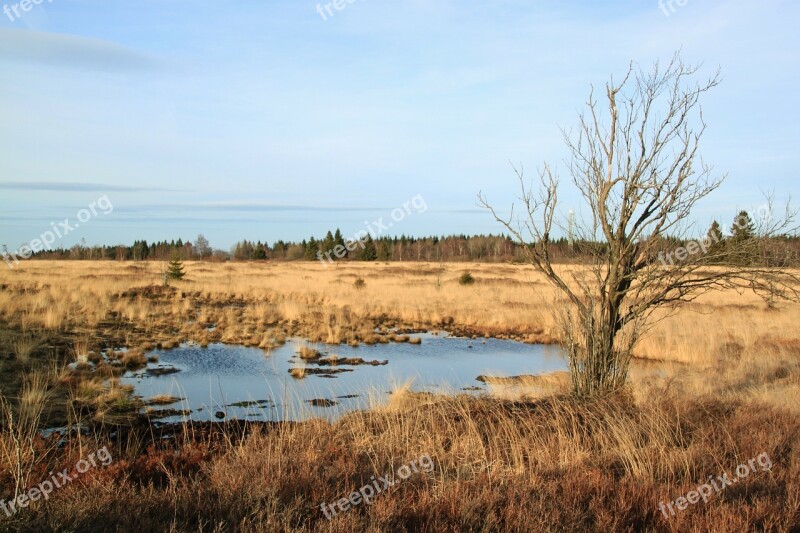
234	382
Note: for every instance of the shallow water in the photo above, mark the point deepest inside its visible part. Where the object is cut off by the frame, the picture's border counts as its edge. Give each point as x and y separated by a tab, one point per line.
219	378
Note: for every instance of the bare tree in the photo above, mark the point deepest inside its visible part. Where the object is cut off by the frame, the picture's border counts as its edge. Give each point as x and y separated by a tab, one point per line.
201	247
635	163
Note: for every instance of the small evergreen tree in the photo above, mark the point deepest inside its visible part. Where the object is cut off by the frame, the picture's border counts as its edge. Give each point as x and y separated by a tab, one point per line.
338	240
174	270
715	232
369	253
328	244
715	239
311	250
742	231
743	228
466	279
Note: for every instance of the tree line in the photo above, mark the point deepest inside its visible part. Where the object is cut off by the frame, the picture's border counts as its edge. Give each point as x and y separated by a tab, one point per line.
333	247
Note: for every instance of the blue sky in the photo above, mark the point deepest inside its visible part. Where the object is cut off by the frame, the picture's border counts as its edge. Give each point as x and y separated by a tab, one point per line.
261	120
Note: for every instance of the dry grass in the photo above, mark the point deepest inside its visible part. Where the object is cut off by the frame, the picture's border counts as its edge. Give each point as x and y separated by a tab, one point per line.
24	345
527	386
163	399
719	383
134	358
551	465
253	303
308	353
20	453
80	351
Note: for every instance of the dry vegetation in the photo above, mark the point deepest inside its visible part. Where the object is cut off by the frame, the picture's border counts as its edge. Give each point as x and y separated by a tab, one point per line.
124	304
727	388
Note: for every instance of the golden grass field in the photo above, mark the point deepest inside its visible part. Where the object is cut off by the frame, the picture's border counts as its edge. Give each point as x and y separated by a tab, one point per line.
257	303
715	384
507	300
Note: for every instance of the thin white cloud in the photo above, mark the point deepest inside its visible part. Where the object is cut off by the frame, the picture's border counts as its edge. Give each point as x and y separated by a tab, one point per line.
72	186
69	51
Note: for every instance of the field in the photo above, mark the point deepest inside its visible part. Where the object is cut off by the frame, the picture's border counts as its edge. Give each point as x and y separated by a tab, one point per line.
727	391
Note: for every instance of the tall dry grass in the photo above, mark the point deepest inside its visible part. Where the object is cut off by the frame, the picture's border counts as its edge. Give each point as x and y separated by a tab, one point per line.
248	297
261	304
24	345
551	465
719	383
19	452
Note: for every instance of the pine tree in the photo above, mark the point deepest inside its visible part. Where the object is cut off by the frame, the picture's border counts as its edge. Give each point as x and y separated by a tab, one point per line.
369	253
139	251
174	270
715	232
743	227
243	250
312	248
338	240
715	239
327	245
259	252
743	230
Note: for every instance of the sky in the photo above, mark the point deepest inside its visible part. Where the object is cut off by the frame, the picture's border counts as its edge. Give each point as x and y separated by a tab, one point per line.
273	119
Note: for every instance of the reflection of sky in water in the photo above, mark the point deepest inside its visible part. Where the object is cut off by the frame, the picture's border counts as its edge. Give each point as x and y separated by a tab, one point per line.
213	378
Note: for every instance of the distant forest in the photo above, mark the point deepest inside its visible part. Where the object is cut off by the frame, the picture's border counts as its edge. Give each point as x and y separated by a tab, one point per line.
784	251
780	251
453	248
